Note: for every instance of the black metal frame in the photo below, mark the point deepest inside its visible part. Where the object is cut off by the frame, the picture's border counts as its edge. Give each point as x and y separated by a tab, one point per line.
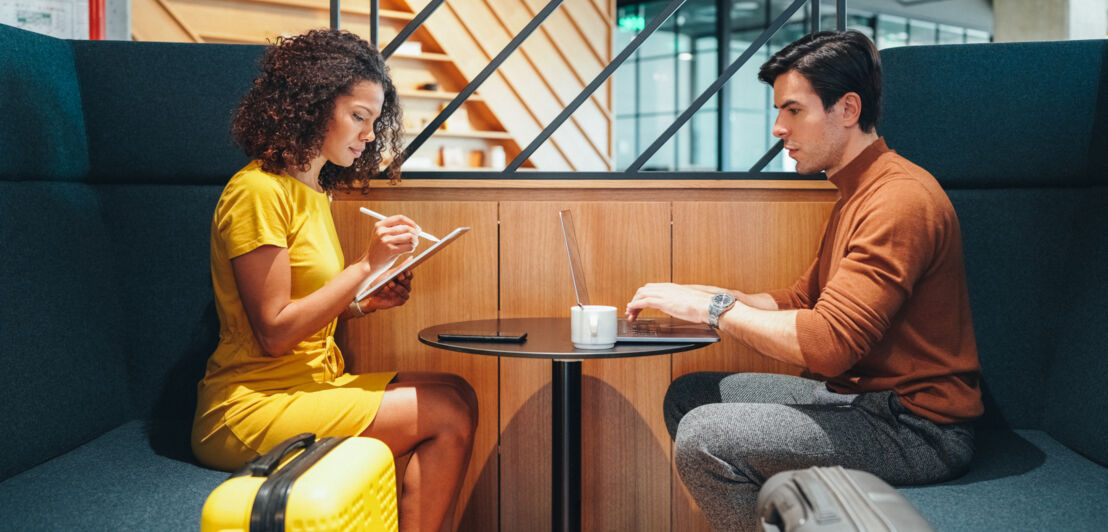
716	85
723	107
716	88
595	83
475	82
408	29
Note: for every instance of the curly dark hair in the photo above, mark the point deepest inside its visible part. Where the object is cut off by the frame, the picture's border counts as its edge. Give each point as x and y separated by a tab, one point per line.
283	118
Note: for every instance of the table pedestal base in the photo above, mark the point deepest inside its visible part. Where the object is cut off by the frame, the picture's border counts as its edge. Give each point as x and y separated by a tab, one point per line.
566	471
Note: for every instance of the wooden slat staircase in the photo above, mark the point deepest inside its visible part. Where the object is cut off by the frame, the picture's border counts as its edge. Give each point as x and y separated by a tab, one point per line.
459	40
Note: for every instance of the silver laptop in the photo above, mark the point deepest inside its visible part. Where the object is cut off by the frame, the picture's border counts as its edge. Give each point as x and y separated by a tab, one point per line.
646	330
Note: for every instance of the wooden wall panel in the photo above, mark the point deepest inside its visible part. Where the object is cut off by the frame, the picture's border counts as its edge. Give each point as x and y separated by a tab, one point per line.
460	283
744	235
749	246
625	448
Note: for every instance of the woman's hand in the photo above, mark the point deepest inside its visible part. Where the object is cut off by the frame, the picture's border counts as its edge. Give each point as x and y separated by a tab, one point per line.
392	237
393	294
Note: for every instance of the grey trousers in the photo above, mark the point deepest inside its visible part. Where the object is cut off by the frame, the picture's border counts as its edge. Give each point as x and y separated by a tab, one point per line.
733	431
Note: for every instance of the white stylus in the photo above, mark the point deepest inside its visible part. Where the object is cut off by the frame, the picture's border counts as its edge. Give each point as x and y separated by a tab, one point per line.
380	216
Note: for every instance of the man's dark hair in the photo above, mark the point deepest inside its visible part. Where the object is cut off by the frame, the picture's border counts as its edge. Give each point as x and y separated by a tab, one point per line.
835	63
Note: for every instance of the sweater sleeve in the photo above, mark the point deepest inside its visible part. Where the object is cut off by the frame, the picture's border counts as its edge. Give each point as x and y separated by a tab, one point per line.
890	246
801	294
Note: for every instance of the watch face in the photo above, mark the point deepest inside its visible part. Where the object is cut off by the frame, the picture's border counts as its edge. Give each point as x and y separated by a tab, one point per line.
720	303
722	300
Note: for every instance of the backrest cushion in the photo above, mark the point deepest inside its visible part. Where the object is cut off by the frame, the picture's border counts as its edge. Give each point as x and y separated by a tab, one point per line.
1077	401
161	112
160	238
998	115
42	130
1017	243
64	376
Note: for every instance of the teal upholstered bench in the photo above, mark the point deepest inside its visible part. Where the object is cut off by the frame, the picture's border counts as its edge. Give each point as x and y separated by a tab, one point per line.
112	156
1018	135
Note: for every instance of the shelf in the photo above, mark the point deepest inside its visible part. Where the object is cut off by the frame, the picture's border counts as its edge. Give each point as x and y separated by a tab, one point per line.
456	169
395	15
425	56
435	95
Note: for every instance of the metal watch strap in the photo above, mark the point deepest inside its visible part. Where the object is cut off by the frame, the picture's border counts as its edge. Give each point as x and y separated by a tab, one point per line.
719	304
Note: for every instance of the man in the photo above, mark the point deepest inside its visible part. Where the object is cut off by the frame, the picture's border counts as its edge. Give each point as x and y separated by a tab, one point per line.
882	316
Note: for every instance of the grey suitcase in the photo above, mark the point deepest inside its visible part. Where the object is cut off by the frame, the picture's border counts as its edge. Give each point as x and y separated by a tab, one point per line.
833	499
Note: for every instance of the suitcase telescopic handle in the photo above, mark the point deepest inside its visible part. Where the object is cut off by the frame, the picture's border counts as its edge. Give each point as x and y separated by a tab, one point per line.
264	465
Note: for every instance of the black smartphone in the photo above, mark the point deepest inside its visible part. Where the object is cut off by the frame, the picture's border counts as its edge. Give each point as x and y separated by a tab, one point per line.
483	336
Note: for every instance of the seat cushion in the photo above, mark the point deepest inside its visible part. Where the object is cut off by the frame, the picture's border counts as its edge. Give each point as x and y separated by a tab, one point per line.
115	482
1021	480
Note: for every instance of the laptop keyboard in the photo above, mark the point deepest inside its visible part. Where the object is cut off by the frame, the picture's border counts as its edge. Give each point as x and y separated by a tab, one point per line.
640	327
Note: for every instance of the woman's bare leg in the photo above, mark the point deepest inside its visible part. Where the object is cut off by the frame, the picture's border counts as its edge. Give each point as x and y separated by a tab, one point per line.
433	416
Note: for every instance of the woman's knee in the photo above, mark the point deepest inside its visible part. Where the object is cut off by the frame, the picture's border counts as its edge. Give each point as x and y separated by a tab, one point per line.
467	393
454	406
457	382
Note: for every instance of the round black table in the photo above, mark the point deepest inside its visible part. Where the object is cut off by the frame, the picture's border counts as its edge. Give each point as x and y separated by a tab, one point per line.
549	338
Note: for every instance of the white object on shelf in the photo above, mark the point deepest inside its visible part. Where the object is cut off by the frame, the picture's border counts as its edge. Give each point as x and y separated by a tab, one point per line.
417	163
497	158
410	48
452	157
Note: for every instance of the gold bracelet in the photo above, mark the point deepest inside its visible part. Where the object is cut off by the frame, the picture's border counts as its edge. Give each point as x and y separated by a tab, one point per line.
356	309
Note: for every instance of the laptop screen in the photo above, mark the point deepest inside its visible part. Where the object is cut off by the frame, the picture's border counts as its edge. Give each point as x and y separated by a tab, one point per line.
575	267
652	330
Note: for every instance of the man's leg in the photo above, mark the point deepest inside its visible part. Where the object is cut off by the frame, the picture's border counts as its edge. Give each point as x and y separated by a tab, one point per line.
697	389
725	452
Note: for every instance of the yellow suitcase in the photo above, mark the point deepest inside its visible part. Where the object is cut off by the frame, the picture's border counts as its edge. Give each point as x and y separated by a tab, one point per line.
305	484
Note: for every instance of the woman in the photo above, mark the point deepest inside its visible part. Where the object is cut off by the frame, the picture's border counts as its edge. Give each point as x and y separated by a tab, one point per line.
317	120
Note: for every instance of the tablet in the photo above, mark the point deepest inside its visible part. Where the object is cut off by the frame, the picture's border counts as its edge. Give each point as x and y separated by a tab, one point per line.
369	287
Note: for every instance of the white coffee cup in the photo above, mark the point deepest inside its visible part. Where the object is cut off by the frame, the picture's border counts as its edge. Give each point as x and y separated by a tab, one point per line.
593	326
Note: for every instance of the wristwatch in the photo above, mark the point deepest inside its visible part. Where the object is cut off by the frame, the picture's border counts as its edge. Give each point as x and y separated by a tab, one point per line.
721	302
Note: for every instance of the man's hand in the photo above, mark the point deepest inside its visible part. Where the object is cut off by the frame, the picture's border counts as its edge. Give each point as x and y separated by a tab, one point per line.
713	289
686	302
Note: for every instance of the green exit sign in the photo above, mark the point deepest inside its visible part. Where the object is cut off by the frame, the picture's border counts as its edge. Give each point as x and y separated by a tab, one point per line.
631	23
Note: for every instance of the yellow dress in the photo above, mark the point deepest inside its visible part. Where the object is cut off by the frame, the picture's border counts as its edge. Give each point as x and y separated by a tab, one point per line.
249	402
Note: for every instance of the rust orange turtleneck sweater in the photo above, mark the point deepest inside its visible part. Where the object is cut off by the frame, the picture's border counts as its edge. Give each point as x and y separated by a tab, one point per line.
885	305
